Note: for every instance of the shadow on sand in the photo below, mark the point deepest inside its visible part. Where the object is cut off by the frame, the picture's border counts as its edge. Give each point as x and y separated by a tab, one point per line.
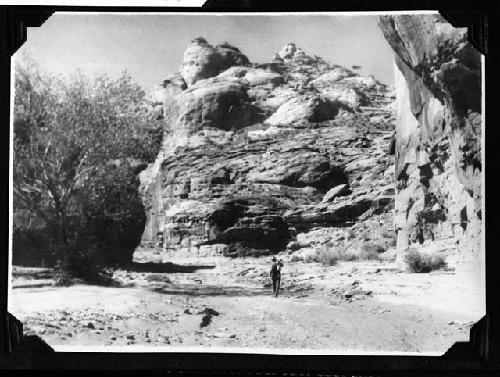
166	267
202	290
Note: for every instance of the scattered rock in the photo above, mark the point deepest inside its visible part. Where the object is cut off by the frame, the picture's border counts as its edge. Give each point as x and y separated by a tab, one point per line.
209	311
205	320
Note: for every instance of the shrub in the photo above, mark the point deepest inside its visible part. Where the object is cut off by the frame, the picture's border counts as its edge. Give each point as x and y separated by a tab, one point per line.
421	262
310	258
63	280
349	254
328	257
371	251
86	263
325	255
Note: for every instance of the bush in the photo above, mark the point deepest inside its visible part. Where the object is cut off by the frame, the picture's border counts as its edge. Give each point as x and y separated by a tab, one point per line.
371	251
421	262
325	255
330	256
86	264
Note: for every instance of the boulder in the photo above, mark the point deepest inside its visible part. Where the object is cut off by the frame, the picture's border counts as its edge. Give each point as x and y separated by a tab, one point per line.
254	76
202	60
291	52
308	108
222	104
331	77
348	96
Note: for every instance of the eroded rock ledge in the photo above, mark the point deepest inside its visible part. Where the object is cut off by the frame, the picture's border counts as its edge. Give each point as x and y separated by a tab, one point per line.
254	154
438	134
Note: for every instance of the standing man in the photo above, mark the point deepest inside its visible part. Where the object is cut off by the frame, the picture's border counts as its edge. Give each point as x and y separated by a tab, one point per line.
276	275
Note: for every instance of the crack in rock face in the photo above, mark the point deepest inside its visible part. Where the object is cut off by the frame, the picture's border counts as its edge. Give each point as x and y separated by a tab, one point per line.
254	154
437	141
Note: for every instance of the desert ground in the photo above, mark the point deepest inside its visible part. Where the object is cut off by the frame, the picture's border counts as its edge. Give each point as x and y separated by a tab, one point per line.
357	306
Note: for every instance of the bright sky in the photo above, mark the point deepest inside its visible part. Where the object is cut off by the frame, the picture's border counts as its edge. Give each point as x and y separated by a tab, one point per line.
150	46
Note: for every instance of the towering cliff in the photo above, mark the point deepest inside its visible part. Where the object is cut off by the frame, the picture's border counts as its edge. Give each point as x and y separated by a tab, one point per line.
255	154
438	135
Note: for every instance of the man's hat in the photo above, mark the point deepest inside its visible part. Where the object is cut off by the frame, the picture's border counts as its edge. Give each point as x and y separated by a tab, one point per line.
274	259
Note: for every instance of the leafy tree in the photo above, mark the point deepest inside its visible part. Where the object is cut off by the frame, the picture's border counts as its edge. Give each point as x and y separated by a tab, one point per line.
78	146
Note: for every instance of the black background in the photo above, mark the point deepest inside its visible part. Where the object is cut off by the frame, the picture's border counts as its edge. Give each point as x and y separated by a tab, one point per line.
479	357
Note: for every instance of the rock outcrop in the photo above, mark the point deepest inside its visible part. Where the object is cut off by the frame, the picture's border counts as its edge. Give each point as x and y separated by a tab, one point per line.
438	134
254	154
202	60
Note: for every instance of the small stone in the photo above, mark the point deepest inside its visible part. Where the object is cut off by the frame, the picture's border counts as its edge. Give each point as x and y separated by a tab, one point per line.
209	311
232	336
90	325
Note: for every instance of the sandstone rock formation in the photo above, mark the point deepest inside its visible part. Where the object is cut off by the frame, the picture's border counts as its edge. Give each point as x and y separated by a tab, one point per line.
254	154
202	60
438	134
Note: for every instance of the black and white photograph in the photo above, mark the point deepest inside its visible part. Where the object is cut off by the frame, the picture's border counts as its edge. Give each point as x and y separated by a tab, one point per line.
279	183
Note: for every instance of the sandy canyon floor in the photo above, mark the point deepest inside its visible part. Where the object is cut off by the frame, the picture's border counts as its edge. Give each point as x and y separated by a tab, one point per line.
362	306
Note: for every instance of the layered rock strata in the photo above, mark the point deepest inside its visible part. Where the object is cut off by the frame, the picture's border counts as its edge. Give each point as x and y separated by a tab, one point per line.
255	154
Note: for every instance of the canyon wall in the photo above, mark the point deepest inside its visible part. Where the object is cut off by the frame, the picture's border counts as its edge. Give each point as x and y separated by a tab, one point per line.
438	136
